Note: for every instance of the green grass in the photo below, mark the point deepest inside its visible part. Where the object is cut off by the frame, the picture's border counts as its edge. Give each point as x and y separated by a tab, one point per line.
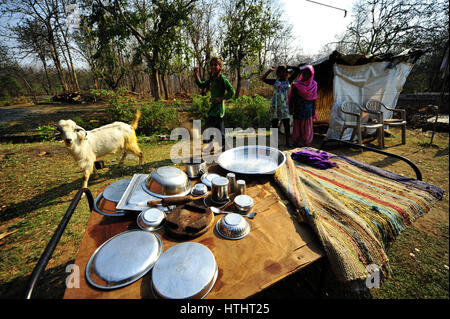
39	180
35	194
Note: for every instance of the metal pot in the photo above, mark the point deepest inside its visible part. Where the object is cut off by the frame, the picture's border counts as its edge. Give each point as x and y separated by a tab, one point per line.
243	203
168	181
195	170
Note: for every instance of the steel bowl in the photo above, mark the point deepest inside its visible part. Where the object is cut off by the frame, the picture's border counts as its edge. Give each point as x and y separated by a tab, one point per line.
195	170
168	181
151	219
199	189
252	159
233	226
243	203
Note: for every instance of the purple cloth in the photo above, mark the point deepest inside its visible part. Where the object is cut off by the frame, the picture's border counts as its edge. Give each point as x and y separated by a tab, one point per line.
315	159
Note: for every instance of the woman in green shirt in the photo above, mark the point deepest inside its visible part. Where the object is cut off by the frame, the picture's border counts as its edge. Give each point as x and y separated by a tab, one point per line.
221	90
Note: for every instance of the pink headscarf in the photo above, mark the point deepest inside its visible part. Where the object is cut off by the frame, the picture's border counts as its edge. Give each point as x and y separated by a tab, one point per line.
306	89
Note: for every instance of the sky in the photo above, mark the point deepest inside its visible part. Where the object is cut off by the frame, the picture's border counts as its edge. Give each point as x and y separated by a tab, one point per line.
316	25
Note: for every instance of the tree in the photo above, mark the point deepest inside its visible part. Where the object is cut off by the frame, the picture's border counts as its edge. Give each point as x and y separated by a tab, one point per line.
202	31
156	26
385	26
48	16
247	26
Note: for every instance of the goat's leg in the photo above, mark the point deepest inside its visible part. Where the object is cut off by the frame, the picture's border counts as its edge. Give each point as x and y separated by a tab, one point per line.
87	173
123	158
136	151
95	172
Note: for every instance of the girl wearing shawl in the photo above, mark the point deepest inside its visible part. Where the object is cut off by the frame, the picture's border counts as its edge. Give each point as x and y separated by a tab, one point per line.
301	103
279	110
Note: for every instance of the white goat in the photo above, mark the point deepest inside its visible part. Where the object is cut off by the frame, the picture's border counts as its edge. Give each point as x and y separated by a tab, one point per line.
87	146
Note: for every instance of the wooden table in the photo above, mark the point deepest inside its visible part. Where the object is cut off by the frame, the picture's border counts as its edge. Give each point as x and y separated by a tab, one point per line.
276	247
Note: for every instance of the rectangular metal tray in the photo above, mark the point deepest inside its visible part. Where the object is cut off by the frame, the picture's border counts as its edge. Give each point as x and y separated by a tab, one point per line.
135	198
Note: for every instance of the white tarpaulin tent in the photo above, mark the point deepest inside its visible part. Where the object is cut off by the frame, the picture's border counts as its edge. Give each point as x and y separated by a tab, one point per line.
358	78
381	81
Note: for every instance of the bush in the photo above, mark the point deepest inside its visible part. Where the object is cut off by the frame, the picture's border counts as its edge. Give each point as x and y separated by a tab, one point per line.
199	107
157	117
46	132
247	111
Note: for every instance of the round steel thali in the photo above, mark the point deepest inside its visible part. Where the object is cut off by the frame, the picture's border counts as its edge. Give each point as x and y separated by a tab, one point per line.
186	270
114	192
252	159
123	259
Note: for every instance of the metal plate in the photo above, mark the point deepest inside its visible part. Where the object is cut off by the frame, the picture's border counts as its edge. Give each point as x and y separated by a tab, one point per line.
123	259
135	198
252	159
186	270
114	192
109	213
208	177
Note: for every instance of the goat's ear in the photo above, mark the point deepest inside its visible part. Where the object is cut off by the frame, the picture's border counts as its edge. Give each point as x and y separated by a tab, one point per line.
79	128
82	131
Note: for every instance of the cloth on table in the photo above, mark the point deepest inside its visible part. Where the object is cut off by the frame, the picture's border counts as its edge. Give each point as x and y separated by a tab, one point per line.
356	210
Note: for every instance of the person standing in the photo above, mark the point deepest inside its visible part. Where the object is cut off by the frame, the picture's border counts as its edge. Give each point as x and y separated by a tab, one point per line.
302	97
221	90
279	110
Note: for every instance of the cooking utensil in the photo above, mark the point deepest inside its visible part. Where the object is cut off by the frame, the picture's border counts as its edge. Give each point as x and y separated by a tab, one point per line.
134	199
174	200
199	189
231	183
151	219
195	170
252	159
123	259
218	211
168	181
240	187
219	189
113	193
186	270
233	226
243	203
189	220
207	178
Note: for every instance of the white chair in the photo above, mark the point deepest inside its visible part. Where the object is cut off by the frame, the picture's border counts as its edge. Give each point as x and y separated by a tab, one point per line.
378	106
353	114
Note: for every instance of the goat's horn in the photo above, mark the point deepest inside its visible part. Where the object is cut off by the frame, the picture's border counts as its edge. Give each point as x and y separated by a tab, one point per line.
79	128
57	131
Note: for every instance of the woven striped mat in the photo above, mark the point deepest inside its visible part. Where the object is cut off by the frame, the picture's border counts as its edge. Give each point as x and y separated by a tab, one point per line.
357	210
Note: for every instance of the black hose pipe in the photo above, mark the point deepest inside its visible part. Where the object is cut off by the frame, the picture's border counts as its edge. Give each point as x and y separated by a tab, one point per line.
415	168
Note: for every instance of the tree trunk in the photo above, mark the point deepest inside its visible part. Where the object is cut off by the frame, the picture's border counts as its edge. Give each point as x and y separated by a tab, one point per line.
68	68
49	83
154	85
57	62
238	84
163	80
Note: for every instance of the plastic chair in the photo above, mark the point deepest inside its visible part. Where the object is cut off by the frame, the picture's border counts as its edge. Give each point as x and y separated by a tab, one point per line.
353	114
378	106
